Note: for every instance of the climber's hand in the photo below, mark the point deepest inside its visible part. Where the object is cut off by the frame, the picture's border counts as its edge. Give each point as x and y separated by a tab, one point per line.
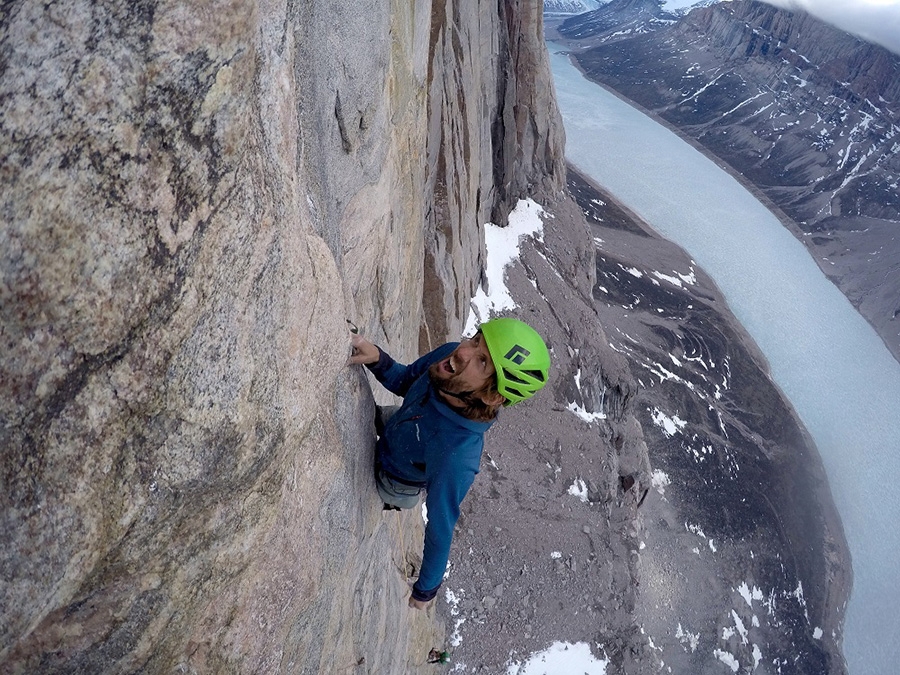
363	351
418	604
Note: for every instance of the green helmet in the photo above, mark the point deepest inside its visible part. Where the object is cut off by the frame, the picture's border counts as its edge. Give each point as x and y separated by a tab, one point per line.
520	358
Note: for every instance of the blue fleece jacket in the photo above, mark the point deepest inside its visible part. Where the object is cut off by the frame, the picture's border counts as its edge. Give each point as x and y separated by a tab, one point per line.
429	444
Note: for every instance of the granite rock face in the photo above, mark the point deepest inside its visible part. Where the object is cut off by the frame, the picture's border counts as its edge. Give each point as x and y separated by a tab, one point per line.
802	112
494	136
194	197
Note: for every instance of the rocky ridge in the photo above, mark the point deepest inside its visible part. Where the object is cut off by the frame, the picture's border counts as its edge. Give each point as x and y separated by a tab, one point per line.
569	6
625	17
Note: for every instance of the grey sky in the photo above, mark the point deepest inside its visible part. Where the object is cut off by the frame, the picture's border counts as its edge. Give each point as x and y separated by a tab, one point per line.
876	21
873	20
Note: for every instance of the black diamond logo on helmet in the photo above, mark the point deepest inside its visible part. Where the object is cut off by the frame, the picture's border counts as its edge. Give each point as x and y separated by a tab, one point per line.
517	354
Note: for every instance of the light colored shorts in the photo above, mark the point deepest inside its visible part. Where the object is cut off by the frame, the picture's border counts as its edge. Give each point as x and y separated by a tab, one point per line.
395	493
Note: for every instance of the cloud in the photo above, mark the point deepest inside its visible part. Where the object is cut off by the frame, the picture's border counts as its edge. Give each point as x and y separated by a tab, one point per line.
875	21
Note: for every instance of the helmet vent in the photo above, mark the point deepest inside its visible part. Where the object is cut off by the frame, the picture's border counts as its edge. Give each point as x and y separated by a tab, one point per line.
520	356
512	377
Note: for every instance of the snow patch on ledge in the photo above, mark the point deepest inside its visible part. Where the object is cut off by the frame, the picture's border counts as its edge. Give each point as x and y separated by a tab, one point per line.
579	489
584	414
669	425
679	279
453	602
502	245
728	659
560	658
581	411
659	480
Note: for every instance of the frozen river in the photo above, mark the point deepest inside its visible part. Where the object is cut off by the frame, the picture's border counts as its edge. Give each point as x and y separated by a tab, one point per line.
835	370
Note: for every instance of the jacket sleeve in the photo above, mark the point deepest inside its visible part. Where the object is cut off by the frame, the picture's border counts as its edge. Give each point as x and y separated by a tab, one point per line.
444	493
396	377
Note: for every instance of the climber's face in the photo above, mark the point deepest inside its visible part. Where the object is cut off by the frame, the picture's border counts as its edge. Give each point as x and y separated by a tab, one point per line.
468	368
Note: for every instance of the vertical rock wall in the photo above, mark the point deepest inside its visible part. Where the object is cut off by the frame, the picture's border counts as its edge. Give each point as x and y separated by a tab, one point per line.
194	196
494	136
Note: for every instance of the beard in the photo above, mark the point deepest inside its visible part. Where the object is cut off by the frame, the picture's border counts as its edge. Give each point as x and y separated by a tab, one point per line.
447	382
467	403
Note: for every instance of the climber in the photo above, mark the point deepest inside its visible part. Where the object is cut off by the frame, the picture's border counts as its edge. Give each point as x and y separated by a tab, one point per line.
433	442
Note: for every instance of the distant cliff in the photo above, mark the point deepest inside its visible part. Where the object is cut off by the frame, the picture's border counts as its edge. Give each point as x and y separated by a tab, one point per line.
569	6
807	114
194	197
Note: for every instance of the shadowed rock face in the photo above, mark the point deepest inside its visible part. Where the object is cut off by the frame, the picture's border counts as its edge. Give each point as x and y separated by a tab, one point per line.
492	139
194	197
802	111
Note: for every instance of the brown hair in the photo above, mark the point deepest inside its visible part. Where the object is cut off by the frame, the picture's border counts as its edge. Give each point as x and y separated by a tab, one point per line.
475	408
469	404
